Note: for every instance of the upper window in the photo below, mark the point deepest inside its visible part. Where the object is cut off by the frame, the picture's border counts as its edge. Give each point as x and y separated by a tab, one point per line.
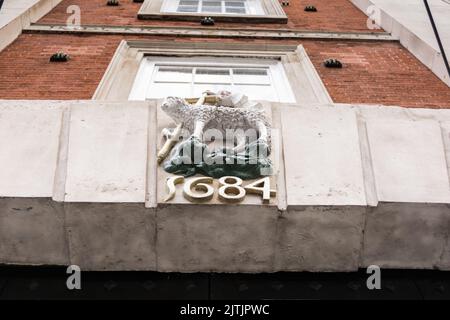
254	11
259	79
241	7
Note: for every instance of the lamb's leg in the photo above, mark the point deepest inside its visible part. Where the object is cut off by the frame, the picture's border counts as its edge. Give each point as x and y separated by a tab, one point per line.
198	129
263	140
263	132
240	144
199	125
162	154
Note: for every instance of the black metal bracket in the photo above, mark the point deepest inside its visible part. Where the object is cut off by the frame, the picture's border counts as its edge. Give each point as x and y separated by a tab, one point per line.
438	38
1	3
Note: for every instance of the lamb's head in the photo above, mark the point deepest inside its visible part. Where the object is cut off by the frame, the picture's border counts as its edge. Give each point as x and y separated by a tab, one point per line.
174	107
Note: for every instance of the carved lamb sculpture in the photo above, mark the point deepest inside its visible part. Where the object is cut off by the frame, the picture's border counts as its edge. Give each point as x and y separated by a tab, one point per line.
231	113
226	115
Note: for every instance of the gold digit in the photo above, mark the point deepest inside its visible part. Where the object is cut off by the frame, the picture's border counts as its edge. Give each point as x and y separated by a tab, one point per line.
171	189
264	190
198	184
231	190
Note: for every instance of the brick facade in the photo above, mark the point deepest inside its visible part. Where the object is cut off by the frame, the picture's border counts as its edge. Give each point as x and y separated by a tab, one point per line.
337	15
375	72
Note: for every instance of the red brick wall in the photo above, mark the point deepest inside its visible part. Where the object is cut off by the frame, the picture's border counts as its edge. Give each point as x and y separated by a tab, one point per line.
26	73
335	15
374	72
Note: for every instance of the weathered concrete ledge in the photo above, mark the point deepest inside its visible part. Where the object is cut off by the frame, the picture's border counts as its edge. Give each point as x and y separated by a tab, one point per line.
358	185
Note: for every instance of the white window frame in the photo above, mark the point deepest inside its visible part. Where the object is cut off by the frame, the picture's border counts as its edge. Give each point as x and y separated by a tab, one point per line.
253	7
259	11
149	64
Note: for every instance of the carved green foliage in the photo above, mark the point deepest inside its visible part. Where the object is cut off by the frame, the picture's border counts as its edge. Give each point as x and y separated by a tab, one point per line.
192	157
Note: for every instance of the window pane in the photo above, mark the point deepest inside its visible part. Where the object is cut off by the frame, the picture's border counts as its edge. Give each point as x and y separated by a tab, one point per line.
163	90
173	74
187	9
212	75
188	3
240	4
211	6
211	9
235	10
259	79
212	3
235	7
251	76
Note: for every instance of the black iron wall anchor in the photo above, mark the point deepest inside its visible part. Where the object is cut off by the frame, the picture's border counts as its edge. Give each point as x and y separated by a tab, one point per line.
438	38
